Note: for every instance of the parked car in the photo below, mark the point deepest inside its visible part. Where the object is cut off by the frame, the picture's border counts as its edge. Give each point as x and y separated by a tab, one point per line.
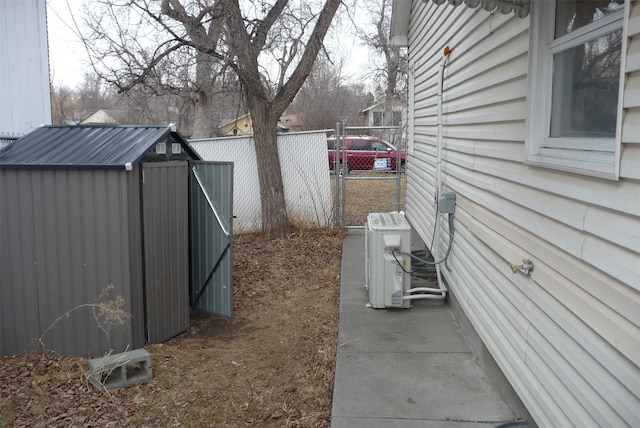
367	153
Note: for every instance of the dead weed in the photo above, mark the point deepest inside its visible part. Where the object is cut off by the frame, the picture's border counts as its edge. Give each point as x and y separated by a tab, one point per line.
271	365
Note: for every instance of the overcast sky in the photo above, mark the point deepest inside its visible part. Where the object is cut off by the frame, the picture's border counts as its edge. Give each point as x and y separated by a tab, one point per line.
68	59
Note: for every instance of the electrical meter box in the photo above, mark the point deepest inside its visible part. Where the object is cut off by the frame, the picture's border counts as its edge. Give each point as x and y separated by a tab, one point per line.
387	242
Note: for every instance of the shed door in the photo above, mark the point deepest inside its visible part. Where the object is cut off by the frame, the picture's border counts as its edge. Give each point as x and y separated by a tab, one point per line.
211	237
165	211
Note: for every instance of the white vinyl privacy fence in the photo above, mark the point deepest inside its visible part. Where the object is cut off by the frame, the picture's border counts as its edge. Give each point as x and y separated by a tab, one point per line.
305	172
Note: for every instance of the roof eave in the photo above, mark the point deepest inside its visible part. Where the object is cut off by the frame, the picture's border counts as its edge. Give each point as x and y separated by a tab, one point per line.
400	12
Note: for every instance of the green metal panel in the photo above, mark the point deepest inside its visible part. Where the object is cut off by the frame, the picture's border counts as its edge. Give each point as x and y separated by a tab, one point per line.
211	236
166	248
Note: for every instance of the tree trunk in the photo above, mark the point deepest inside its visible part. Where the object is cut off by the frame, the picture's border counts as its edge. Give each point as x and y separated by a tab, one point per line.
202	123
392	81
275	222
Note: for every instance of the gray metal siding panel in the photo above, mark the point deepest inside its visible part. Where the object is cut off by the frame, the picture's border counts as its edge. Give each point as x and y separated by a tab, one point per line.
166	252
74	245
19	318
83	231
24	67
208	240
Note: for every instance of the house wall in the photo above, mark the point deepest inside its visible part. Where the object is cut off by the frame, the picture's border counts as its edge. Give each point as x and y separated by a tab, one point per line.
568	337
305	172
24	67
242	124
66	238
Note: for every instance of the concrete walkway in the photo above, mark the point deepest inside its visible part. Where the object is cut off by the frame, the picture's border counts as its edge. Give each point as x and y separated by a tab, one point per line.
404	367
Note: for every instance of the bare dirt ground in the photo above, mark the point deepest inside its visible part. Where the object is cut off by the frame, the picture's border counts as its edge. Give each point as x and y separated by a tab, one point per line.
272	365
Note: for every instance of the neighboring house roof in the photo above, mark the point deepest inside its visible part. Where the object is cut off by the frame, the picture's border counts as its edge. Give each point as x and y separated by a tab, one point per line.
100	116
397	105
86	146
289	121
243	125
373	107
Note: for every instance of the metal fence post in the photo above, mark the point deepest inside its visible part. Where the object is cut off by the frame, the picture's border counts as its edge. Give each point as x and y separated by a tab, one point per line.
336	176
343	173
398	165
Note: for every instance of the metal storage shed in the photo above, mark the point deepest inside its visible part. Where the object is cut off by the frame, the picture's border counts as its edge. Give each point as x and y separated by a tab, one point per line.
83	208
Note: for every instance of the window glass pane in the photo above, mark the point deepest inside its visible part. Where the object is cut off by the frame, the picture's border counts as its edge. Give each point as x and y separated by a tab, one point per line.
361	145
574	14
378	118
585	89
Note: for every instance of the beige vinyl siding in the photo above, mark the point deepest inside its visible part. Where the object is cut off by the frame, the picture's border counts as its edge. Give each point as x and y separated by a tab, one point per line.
568	336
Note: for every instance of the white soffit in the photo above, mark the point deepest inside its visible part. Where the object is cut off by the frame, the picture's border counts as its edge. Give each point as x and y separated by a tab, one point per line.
519	7
400	12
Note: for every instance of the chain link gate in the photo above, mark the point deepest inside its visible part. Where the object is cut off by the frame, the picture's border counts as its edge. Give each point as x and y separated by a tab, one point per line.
369	164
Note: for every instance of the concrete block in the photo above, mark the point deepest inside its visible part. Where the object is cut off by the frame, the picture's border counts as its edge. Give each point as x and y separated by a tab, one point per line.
120	370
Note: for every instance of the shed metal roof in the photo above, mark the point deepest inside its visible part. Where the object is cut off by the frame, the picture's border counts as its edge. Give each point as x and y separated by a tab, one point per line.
88	146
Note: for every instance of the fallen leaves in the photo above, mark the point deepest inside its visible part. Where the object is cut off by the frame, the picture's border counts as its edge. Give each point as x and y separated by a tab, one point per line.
271	365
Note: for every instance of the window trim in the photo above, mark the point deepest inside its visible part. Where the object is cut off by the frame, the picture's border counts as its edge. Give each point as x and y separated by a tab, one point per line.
567	154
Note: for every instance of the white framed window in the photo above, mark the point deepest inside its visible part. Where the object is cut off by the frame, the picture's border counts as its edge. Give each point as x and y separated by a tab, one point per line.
575	86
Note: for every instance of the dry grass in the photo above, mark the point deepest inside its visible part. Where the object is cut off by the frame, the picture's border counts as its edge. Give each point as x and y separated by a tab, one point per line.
272	365
371	192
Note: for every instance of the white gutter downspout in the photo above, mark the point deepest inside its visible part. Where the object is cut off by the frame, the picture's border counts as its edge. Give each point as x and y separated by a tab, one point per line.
438	190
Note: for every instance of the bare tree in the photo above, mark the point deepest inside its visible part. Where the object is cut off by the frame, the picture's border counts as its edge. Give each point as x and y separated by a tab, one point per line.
393	72
219	34
325	99
62	104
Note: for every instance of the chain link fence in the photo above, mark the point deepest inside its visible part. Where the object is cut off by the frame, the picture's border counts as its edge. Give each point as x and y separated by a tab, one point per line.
303	159
331	177
368	165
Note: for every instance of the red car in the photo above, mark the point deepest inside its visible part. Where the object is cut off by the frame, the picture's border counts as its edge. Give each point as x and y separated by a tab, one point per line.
367	153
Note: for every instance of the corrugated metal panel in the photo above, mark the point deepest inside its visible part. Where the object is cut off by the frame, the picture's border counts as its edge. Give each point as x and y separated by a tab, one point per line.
19	322
305	172
88	146
166	248
24	67
64	243
136	260
568	337
211	237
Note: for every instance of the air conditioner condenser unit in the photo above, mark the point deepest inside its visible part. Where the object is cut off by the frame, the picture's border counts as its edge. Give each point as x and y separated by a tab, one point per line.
387	236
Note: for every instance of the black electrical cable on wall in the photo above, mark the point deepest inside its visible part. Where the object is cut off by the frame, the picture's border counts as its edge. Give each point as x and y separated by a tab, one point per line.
444	259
